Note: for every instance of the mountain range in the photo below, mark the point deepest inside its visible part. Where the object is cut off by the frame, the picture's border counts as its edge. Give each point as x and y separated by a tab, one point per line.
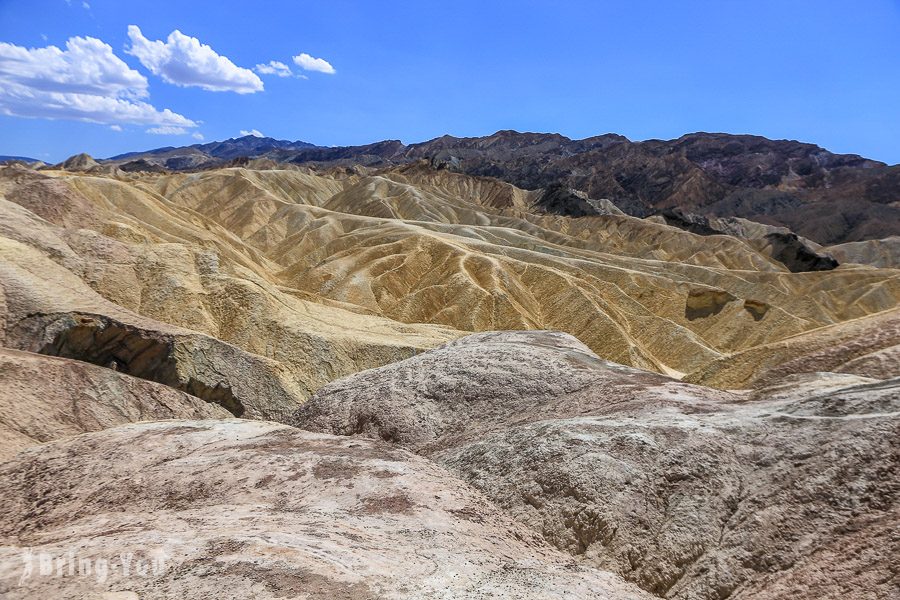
826	197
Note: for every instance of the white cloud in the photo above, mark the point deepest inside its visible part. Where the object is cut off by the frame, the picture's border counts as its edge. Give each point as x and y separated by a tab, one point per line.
273	67
184	61
86	6
198	136
167	130
86	66
253	132
116	127
308	63
84	82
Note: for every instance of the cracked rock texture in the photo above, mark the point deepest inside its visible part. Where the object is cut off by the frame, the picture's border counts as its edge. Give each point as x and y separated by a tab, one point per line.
785	492
44	398
241	509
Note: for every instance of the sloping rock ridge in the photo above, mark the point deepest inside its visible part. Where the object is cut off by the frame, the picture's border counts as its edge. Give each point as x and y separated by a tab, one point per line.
335	518
791	492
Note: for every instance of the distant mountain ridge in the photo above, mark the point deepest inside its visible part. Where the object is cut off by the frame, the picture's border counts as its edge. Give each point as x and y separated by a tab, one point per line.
188	157
4	158
830	198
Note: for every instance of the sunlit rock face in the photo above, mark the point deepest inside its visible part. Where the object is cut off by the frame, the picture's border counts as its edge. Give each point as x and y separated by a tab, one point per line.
687	491
825	197
324	274
245	509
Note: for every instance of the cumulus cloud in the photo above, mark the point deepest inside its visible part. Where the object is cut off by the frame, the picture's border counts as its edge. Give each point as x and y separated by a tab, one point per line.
198	136
116	127
273	67
84	82
308	63
167	130
184	61
86	66
253	132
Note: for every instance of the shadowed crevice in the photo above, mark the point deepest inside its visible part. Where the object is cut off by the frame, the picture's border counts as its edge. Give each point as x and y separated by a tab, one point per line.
125	348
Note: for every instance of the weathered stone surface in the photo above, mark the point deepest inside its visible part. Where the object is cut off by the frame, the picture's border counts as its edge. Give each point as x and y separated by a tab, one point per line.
883	253
48	306
242	509
79	162
790	251
472	386
44	398
47	309
798	255
869	346
249	288
688	491
560	200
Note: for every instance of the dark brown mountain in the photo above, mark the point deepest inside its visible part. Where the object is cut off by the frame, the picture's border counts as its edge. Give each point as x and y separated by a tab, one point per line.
823	196
829	198
211	154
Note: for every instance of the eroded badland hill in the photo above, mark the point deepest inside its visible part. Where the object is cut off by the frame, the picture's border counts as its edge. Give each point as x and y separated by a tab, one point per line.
518	366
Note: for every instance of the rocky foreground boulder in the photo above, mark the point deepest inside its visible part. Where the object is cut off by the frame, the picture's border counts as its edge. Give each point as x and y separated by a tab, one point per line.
241	509
787	492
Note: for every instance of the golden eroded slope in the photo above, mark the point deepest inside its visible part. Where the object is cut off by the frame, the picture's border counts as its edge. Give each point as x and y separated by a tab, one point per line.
98	246
331	273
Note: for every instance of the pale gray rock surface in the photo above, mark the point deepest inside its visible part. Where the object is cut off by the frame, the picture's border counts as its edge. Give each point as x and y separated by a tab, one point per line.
246	509
790	492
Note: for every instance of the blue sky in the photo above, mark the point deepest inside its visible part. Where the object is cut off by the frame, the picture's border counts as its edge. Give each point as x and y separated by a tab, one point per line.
821	71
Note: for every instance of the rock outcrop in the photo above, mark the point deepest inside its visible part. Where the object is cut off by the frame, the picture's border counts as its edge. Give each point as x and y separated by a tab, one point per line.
108	275
869	347
44	398
560	200
883	253
128	297
787	249
241	509
327	275
45	308
797	254
79	162
791	492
